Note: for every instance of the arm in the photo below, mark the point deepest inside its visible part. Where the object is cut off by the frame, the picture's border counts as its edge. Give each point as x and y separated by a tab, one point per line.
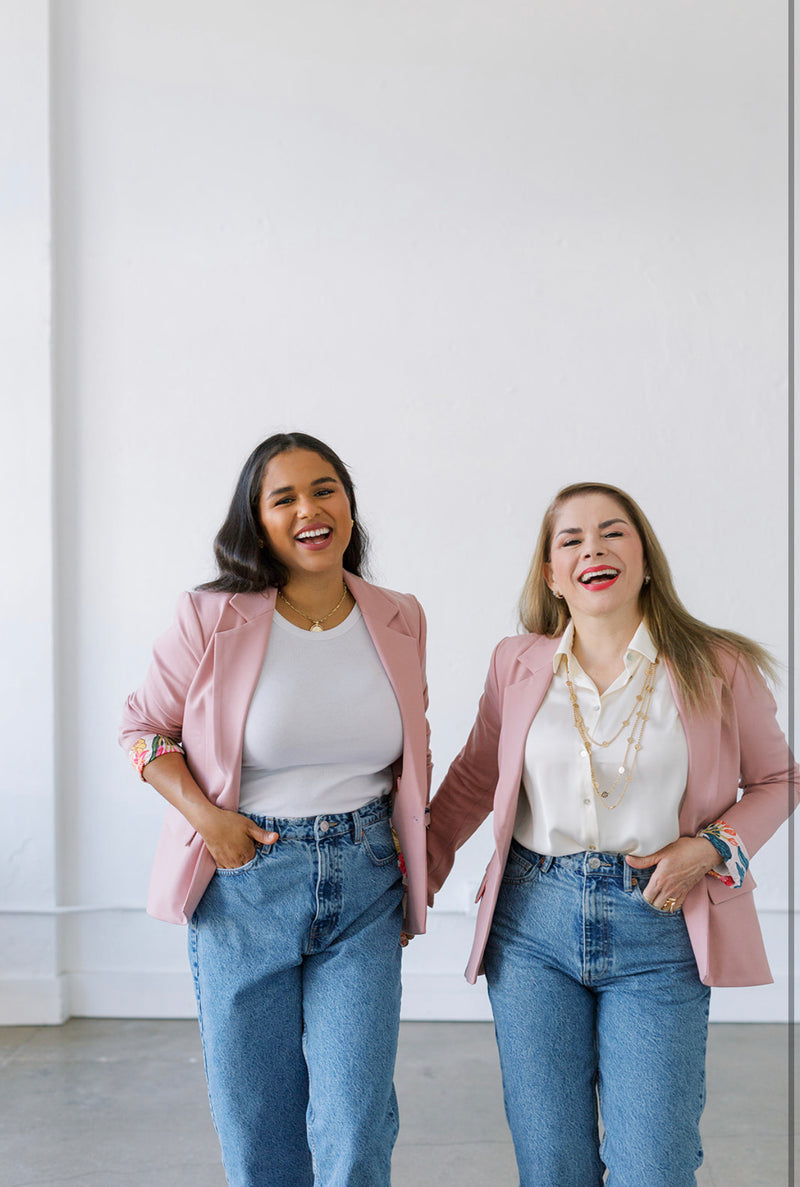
158	708
769	776
230	838
770	790
465	798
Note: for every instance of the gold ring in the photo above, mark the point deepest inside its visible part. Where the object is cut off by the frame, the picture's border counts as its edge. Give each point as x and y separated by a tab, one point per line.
670	904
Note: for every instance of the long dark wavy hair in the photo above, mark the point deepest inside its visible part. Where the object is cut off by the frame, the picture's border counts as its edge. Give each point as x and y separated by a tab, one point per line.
245	560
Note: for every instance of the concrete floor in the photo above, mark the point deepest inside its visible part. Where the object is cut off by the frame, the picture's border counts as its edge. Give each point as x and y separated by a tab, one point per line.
106	1103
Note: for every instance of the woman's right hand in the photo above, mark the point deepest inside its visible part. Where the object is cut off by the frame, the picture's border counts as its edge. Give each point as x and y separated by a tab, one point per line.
231	838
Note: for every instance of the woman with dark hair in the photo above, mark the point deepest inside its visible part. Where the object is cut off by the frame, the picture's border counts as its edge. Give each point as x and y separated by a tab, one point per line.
611	742
283	719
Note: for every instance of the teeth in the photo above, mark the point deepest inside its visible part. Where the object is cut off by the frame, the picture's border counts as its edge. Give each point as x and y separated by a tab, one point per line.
313	533
599	575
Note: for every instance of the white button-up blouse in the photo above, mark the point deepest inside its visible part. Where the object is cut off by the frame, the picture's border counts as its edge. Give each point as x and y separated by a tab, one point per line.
559	810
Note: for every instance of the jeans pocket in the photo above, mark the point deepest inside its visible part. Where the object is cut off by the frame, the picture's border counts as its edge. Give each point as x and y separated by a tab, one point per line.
379	843
637	894
519	868
260	849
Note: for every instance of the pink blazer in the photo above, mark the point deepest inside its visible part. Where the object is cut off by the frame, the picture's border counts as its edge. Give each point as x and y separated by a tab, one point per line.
198	690
741	743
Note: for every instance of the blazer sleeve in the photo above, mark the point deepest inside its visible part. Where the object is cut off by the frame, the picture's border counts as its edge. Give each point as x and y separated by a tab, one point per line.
769	776
466	795
157	707
422	636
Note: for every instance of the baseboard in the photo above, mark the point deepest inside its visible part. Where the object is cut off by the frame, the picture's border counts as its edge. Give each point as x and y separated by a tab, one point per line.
427	997
125	994
33	1001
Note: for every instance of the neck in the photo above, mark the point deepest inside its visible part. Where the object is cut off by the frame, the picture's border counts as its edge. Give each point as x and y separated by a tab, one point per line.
315	593
599	645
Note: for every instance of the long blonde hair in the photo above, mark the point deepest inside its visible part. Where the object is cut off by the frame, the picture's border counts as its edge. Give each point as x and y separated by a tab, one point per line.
691	647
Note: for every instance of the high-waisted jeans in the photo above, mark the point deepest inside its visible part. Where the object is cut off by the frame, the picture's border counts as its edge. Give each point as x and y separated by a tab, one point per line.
296	963
596	994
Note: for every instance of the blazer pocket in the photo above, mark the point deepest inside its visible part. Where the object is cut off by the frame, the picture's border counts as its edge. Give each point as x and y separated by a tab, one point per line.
178	826
718	892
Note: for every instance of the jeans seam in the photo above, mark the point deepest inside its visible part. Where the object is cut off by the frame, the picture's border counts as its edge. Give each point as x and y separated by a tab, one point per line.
193	932
312	1145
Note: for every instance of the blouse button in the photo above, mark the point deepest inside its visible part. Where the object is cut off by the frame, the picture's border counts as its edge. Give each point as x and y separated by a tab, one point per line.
587	802
583	754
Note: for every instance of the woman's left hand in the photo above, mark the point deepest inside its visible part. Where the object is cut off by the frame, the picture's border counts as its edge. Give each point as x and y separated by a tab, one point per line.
679	866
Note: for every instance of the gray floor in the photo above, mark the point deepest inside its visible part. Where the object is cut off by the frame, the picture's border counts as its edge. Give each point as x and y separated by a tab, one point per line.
105	1103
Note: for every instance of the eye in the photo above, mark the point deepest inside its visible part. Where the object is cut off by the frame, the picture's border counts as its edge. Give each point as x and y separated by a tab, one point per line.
326	490
568	543
281	502
616	532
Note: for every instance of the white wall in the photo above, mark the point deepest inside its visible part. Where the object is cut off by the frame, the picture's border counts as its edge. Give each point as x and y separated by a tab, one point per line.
483	249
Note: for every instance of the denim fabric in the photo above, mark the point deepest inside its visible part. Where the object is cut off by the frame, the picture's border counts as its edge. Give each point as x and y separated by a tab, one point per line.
596	993
296	962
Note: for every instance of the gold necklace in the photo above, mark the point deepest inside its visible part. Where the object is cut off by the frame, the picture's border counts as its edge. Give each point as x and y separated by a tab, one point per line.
639	716
316	623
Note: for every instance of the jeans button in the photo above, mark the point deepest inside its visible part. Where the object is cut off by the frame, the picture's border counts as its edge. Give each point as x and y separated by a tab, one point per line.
324	826
594	863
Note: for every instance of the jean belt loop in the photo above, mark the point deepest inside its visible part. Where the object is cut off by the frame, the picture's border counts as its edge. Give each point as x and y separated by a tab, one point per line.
358	831
545	862
629	876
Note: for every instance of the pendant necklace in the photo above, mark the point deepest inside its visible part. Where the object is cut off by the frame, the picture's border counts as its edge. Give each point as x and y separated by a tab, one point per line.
316	623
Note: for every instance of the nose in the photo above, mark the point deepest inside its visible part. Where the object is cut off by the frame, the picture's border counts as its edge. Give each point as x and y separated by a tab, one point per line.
593	546
305	506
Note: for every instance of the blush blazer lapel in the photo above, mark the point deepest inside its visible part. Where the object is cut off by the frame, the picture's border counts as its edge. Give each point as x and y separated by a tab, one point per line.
521	701
239	654
399	653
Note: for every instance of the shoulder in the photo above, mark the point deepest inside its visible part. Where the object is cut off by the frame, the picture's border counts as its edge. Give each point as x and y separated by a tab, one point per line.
372	596
211	610
512	647
518	655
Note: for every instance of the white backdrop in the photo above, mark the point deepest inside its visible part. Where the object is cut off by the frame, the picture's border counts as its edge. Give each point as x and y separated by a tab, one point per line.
481	248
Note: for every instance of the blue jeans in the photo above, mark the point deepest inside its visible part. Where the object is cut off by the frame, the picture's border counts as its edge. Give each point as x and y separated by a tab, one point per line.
296	963
596	993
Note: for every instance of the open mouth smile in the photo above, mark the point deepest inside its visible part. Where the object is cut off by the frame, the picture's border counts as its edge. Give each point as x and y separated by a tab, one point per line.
599	578
314	538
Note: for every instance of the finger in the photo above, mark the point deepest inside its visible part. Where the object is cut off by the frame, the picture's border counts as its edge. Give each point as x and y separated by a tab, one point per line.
642	863
262	836
404	939
665	902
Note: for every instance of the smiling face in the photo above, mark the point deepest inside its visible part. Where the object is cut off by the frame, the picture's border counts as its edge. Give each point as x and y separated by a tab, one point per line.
305	513
596	558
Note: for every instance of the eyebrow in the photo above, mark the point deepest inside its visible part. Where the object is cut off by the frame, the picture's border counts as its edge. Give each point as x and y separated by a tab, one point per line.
605	524
285	490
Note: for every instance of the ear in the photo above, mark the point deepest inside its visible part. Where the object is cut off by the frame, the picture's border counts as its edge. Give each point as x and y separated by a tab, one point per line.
547	569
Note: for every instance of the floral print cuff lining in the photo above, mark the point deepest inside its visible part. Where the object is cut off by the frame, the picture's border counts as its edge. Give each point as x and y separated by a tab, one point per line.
149	747
733	867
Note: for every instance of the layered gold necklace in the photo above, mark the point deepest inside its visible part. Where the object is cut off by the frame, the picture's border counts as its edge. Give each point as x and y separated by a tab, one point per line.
636	720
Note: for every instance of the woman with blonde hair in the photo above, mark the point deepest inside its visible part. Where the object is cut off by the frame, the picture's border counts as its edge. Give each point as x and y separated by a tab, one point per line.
634	764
